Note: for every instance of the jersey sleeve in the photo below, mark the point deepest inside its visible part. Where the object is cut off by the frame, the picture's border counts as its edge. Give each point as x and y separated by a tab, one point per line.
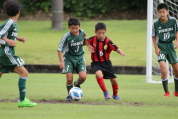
176	26
112	46
62	44
2	42
5	28
153	30
89	41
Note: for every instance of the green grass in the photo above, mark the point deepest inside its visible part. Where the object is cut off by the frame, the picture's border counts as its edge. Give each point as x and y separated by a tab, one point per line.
42	42
139	100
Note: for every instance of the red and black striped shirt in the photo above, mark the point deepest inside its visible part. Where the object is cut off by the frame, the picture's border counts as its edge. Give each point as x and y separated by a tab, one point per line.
102	49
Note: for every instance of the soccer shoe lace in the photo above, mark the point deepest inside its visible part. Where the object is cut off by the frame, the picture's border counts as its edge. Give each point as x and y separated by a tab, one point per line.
175	94
116	97
166	94
106	95
26	103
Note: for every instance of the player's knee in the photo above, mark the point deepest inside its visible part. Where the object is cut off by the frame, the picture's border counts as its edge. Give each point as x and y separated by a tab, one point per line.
24	74
164	72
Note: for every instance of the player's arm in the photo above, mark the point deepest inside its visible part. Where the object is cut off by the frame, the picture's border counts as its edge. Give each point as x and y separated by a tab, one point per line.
176	42
10	42
90	48
157	50
61	64
120	52
21	39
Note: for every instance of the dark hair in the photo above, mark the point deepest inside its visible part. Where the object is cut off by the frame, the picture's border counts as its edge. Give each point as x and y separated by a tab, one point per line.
100	25
162	6
73	21
11	7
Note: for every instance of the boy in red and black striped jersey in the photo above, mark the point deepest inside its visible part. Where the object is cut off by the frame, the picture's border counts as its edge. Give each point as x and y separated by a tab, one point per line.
101	63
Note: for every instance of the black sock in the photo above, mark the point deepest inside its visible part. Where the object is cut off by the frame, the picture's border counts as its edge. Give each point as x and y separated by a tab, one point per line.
165	85
176	84
69	87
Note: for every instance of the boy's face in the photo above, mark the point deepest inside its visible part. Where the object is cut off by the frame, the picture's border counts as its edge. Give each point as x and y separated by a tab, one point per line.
162	13
100	34
74	29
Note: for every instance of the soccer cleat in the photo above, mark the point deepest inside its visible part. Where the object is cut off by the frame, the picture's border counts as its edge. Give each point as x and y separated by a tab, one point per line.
68	98
76	85
166	94
175	94
26	103
116	97
106	95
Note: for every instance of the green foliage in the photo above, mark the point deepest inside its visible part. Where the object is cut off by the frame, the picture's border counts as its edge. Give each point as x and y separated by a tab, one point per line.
82	8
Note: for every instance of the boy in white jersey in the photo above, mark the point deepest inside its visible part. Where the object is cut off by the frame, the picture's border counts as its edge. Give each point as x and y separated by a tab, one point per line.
165	31
8	59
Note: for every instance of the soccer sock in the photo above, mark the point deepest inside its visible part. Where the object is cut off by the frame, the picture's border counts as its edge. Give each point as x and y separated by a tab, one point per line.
165	84
176	84
69	87
22	87
101	84
115	89
78	82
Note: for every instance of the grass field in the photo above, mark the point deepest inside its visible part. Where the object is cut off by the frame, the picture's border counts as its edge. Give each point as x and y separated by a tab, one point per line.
139	100
42	42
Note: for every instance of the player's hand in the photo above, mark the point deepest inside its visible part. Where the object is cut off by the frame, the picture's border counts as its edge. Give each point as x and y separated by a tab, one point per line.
121	52
157	51
21	39
61	65
175	44
91	49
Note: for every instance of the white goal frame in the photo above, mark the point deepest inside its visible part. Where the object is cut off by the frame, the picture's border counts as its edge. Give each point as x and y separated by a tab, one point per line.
149	53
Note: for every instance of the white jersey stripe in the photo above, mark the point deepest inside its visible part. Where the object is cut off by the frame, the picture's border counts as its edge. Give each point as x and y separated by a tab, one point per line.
62	41
2	42
11	58
6	27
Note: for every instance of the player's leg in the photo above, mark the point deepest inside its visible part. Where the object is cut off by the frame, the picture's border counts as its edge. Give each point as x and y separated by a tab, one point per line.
101	83
23	102
164	78
115	88
175	72
80	67
1	74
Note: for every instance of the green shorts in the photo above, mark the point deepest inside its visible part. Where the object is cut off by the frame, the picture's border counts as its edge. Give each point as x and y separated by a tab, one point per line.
167	52
8	61
74	63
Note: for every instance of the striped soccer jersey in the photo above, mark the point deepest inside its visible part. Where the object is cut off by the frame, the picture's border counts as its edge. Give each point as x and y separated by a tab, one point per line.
72	45
102	49
165	32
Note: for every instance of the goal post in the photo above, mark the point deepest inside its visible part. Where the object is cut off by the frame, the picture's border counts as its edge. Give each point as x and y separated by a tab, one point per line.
152	66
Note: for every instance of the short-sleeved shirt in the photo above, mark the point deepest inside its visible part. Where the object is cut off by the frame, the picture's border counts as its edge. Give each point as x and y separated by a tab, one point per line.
165	32
8	59
72	45
102	49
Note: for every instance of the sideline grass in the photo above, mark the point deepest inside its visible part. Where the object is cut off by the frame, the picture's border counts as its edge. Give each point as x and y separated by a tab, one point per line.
139	100
42	42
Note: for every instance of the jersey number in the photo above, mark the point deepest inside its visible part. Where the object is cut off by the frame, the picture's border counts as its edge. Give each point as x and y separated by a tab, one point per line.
77	49
166	35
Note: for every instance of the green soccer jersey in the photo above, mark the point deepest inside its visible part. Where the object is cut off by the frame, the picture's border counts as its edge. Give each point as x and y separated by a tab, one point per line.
9	29
165	32
72	45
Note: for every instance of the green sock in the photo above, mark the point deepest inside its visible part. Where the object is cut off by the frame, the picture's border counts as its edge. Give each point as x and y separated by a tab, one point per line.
165	84
22	88
176	84
69	87
78	82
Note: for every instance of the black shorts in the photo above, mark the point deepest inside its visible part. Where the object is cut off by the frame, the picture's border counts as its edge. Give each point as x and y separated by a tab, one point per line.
106	68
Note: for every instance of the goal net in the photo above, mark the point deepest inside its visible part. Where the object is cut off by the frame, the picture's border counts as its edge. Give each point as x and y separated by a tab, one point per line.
156	72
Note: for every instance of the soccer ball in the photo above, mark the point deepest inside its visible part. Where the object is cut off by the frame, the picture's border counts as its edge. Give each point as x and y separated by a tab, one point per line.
75	93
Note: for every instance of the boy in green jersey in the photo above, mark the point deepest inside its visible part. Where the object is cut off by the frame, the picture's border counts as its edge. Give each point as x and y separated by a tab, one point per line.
164	32
71	45
8	59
